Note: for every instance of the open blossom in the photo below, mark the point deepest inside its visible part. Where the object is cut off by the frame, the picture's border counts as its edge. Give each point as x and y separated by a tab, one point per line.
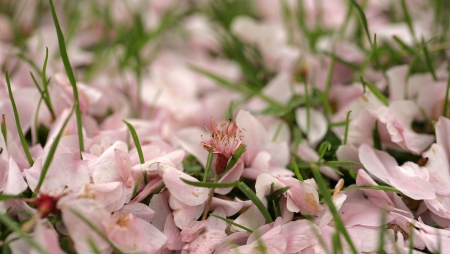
225	140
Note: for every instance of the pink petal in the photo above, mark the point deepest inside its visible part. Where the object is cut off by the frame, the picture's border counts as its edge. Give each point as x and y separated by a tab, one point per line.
255	136
299	235
189	139
318	125
188	194
172	233
234	174
160	205
138	210
442	129
378	163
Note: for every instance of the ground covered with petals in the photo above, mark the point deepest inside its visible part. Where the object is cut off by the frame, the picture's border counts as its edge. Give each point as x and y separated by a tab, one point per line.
224	126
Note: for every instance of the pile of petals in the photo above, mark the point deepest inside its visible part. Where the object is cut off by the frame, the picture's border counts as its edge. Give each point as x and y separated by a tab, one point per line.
224	126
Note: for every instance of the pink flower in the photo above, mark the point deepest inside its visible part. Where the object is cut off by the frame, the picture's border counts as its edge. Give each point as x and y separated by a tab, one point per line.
224	142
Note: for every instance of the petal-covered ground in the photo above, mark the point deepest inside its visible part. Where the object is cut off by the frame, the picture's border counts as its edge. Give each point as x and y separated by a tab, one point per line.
224	126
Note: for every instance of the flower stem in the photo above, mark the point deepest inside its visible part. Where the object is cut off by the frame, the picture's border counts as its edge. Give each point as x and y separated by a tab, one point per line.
208	202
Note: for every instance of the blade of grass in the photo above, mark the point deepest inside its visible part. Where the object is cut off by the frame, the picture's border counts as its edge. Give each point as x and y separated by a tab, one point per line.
428	60
96	230
381	188
297	171
208	166
445	109
363	19
337	218
14	227
211	185
19	127
252	196
137	144
404	46
93	246
45	84
231	222
375	91
44	96
70	75
51	152
347	123
327	105
235	157
376	137
408	21
4	132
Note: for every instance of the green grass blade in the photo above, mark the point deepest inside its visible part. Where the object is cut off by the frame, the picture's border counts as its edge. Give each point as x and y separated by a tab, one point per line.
70	75
347	123
50	154
428	60
381	188
297	171
363	19
136	141
96	230
445	109
408	20
138	147
376	137
208	166
211	184
4	132
93	246
336	164
19	127
337	218
252	196
45	85
4	197
404	45
376	92
14	227
235	157
231	222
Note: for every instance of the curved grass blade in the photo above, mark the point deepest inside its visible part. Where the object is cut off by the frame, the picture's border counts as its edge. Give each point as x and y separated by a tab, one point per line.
234	159
231	222
51	152
208	165
96	230
4	197
211	185
14	227
252	196
336	164
381	188
45	84
70	75
376	92
19	127
347	122
376	137
363	19
138	147
337	218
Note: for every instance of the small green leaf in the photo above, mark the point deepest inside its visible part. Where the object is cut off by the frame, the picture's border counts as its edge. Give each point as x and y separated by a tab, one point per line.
210	185
70	75
19	127
235	157
323	148
252	196
231	222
